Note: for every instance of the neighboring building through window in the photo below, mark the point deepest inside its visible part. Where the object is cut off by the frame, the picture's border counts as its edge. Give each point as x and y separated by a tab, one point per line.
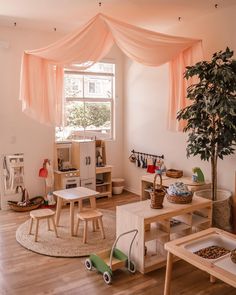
88	105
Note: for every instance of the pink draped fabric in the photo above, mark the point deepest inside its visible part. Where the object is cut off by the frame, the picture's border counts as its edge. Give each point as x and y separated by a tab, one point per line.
41	88
178	85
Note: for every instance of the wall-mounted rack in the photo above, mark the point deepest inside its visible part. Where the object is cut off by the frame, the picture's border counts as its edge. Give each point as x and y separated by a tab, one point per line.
147	155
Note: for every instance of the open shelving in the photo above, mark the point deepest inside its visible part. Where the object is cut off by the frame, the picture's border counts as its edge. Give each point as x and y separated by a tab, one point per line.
158	226
103	181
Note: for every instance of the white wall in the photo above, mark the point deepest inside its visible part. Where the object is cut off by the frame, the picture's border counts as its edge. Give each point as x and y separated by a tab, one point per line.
21	134
146	104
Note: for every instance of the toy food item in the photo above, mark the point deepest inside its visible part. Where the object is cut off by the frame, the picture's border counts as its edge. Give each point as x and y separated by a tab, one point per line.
212	252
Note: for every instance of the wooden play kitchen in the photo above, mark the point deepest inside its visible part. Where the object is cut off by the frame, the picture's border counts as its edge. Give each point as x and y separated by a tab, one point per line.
186	248
158	226
82	163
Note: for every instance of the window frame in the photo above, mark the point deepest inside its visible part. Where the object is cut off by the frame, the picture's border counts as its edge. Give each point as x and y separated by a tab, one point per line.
71	70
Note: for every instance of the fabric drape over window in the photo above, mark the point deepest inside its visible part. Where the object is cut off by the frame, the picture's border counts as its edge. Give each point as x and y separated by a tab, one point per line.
41	85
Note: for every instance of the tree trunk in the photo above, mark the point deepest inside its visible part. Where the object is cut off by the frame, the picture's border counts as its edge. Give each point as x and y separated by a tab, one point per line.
214	156
214	177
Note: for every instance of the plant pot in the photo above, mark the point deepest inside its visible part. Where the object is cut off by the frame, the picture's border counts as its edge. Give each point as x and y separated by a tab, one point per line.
222	208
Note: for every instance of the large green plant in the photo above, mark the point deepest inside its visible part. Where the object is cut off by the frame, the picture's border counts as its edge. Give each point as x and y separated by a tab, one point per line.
211	116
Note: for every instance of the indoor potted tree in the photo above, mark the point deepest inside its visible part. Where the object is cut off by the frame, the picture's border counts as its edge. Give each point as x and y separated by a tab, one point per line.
211	116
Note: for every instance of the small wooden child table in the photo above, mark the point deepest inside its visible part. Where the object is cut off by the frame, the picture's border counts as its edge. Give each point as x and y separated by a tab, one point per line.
72	195
222	268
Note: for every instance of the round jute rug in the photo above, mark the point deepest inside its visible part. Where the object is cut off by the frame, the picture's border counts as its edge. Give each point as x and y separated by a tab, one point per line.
65	245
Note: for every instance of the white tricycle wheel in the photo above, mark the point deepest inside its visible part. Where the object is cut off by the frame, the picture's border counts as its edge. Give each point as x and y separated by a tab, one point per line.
88	264
107	277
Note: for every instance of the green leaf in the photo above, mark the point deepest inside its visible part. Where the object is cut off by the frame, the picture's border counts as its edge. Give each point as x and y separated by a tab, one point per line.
211	117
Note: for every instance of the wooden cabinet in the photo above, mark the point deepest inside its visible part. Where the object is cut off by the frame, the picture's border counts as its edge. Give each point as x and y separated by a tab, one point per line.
83	158
158	226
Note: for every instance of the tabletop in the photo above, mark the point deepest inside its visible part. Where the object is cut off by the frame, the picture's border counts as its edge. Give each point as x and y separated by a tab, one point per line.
166	181
75	193
143	209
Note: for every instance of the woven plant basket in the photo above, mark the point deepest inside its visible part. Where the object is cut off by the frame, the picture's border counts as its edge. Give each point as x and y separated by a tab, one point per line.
158	194
179	199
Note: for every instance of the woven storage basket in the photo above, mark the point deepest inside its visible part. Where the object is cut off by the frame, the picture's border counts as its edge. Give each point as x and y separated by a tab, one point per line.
174	173
158	194
31	204
179	199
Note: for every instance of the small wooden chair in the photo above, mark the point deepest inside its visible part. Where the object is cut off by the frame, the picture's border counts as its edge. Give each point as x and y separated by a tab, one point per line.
42	214
86	216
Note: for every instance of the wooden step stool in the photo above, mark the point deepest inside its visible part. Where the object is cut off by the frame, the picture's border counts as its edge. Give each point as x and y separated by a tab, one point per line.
42	214
90	215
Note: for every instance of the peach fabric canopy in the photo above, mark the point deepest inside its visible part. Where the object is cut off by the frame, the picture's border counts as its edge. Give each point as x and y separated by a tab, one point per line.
41	88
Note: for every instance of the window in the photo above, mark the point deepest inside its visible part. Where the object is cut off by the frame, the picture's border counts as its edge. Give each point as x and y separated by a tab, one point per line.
88	105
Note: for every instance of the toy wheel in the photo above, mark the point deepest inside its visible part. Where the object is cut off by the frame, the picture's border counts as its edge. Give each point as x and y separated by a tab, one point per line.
132	267
107	277
88	264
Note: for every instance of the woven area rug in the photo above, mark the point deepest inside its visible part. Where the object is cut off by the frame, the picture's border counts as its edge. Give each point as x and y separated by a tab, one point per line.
65	245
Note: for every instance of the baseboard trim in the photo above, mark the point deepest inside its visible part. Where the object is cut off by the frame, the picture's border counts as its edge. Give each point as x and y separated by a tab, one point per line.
131	190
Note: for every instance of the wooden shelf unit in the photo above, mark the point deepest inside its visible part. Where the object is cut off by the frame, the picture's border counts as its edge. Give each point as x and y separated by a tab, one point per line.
104	174
155	228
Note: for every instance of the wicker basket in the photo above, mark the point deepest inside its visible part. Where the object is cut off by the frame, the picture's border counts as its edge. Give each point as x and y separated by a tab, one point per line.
233	256
179	199
158	194
32	204
174	173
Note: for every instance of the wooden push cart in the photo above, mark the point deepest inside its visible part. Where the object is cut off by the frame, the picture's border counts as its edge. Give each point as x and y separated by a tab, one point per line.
108	261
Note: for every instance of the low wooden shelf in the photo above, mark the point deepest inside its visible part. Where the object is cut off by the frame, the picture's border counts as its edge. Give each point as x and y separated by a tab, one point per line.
154	228
104	174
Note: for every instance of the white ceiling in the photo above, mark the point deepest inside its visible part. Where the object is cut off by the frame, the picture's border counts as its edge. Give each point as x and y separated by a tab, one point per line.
67	15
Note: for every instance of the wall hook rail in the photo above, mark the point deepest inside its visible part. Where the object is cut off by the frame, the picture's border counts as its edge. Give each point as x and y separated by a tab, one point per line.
148	155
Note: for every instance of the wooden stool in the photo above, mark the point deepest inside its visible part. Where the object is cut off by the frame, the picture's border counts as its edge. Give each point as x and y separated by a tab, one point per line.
90	215
42	214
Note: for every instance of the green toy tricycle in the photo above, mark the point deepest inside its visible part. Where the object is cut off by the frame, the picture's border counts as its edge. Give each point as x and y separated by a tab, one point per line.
108	261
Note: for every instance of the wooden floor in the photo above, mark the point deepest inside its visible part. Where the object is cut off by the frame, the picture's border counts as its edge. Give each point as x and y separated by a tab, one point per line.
24	272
